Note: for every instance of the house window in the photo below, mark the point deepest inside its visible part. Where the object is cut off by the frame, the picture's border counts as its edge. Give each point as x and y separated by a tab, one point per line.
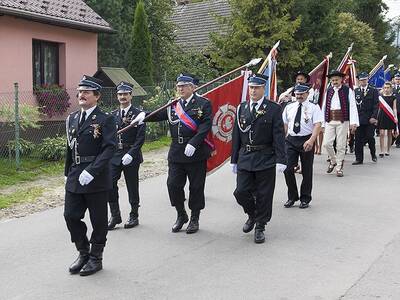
45	63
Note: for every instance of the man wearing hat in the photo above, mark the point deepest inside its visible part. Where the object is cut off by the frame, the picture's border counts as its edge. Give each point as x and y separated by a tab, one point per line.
340	115
288	96
190	121
127	158
302	120
367	100
91	137
258	150
396	92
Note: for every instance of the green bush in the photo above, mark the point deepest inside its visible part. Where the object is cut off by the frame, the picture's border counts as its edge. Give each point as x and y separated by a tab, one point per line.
25	147
52	149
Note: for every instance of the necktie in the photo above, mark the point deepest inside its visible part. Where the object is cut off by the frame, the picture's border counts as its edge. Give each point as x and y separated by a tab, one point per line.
122	114
183	103
297	119
253	109
83	118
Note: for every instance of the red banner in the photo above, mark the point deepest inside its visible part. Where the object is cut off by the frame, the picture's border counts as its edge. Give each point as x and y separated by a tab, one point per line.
318	80
225	99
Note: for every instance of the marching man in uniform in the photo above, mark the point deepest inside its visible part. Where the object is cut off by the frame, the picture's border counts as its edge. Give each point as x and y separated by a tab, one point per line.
302	121
189	123
127	158
340	115
92	139
258	149
367	100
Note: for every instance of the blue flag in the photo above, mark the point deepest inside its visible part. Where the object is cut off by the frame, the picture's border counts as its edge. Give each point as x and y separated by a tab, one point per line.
377	79
388	76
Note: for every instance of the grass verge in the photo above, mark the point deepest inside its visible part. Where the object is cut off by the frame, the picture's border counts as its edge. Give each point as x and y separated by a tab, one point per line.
20	196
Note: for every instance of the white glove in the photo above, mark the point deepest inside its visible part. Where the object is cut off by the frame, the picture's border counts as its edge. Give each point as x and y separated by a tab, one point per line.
139	118
85	178
234	168
65	179
126	159
189	150
280	168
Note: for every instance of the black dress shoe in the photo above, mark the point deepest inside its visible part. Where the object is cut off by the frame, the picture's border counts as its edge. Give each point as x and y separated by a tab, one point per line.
193	226
381	155
114	221
132	222
357	162
78	264
259	236
180	221
289	203
249	225
374	158
92	266
94	263
303	205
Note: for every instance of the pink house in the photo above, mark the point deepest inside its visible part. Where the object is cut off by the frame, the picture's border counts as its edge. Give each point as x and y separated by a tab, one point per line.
47	42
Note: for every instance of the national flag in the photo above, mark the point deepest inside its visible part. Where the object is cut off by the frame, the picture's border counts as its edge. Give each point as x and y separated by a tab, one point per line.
268	68
318	79
377	74
225	99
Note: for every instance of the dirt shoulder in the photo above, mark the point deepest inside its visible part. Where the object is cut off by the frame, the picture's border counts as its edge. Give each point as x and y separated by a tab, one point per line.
155	163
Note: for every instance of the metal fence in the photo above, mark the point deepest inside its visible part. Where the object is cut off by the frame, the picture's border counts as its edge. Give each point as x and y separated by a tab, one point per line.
32	123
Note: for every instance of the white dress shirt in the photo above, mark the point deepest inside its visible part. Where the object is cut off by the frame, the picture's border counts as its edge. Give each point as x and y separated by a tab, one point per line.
88	112
187	100
310	115
126	109
335	105
258	103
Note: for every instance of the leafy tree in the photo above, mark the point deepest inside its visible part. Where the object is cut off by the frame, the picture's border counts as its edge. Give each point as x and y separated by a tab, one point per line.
372	12
111	47
347	30
140	62
254	27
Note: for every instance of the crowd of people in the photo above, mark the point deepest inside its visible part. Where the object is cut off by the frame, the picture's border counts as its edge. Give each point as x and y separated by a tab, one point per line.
267	137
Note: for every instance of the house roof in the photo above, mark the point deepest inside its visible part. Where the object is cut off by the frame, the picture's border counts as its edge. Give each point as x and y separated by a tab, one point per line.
116	75
66	13
195	22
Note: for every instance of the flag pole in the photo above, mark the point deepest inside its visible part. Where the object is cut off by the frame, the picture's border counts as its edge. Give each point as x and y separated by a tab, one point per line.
253	62
345	57
265	63
321	63
374	69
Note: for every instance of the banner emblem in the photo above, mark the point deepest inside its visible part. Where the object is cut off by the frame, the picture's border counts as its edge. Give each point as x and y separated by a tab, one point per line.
223	122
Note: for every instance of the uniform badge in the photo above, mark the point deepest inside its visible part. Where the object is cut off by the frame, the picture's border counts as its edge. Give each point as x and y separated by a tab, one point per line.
96	130
94	117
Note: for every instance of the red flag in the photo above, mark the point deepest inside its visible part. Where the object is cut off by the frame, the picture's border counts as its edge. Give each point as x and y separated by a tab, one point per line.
318	79
225	99
349	69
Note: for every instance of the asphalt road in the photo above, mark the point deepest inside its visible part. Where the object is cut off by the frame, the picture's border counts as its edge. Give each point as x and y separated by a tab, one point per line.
345	246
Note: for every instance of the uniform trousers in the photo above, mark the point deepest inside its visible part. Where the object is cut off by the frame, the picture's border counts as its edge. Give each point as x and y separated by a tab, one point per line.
177	175
336	130
294	150
364	133
74	211
255	191
131	174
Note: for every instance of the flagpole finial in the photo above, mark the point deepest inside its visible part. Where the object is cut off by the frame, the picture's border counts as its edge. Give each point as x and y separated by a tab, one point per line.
329	55
384	57
253	62
351	46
